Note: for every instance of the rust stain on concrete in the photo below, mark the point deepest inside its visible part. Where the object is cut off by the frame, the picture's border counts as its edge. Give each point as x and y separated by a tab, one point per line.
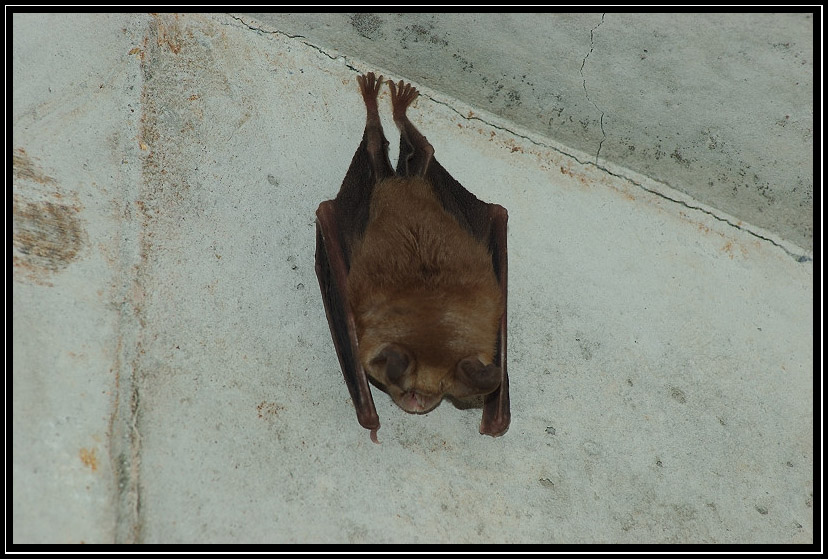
47	234
89	457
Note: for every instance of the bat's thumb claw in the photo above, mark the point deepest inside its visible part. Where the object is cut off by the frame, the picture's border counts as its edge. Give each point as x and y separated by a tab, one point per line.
374	436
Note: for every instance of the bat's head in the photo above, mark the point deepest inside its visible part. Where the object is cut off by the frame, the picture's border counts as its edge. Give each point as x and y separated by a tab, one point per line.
417	381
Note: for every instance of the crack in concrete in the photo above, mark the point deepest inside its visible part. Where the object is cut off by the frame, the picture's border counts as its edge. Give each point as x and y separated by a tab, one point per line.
583	63
798	257
302	38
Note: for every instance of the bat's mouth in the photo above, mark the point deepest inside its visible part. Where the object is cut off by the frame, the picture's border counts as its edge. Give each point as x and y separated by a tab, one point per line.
417	402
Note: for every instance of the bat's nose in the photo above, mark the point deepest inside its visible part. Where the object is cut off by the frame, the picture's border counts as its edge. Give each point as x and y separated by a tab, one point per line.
418	402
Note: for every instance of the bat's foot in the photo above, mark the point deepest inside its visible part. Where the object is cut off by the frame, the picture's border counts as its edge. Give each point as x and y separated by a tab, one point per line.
369	86
402	95
415	151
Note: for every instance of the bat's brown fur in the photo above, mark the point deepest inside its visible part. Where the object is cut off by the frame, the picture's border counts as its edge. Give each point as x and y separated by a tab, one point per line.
421	283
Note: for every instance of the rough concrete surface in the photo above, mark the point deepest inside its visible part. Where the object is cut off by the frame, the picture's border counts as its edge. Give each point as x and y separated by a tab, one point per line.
174	379
718	106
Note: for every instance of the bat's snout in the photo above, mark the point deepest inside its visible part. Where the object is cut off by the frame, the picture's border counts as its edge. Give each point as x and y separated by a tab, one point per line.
417	402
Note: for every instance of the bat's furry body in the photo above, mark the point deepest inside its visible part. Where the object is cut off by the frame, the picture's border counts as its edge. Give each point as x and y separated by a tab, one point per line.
422	282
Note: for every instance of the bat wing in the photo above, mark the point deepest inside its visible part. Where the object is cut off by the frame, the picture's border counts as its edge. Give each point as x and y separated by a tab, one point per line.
486	222
332	271
496	410
339	222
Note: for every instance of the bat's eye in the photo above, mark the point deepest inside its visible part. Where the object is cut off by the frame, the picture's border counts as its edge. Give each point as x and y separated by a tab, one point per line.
476	378
394	361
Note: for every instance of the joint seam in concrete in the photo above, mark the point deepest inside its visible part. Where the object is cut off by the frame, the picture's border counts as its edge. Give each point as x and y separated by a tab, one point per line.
799	257
124	436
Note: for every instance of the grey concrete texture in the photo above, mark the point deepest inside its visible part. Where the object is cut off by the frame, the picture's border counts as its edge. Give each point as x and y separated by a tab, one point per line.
174	379
718	106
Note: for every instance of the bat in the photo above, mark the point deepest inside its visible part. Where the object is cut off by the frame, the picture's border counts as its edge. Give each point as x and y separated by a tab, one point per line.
412	270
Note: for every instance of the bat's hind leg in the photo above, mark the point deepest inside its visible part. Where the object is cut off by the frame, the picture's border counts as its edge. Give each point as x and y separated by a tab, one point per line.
375	143
415	151
369	166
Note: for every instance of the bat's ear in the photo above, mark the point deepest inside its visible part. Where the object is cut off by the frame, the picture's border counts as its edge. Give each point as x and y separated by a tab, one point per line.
473	377
392	363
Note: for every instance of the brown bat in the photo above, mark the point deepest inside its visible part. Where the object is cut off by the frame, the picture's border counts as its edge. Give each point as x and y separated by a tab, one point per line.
412	268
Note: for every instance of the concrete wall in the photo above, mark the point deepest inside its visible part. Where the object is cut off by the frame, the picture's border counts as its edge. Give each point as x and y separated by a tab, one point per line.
719	106
173	374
